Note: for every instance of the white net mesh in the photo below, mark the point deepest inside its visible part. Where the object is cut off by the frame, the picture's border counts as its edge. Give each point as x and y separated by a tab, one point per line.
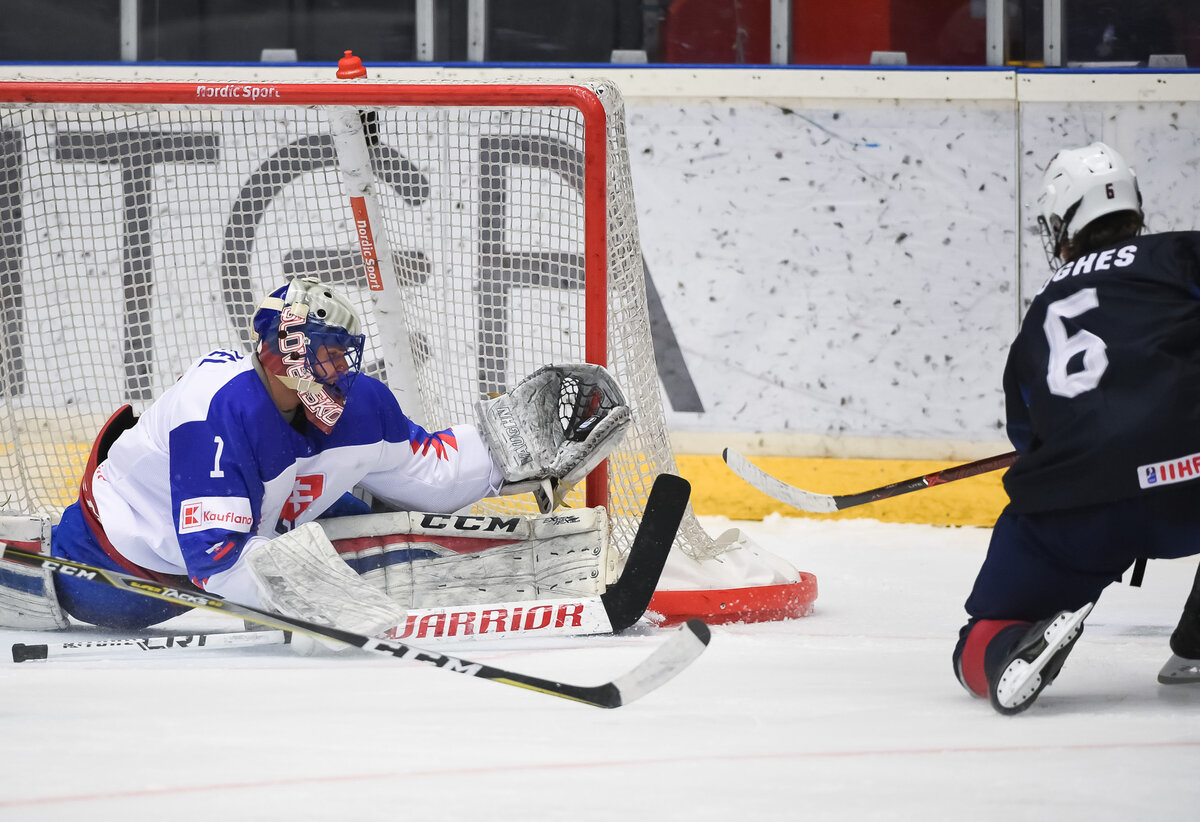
136	238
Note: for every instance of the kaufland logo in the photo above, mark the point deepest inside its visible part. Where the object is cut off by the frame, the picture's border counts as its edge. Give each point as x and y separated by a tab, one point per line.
202	513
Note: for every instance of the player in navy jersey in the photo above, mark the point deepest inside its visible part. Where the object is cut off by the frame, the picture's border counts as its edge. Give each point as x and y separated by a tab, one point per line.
1102	389
218	483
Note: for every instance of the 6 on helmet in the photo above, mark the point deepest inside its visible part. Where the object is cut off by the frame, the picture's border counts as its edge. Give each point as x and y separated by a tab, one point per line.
1080	186
307	336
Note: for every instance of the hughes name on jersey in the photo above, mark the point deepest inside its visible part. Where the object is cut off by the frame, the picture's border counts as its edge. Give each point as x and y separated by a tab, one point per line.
1102	384
213	465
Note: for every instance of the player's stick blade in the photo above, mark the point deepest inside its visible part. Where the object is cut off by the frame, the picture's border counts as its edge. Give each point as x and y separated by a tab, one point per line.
772	487
668	660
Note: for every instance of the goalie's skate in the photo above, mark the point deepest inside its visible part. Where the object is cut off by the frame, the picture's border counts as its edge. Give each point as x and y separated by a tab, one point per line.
1035	661
1180	671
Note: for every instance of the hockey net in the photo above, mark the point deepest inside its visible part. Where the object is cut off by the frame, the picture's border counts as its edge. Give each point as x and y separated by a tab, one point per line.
140	224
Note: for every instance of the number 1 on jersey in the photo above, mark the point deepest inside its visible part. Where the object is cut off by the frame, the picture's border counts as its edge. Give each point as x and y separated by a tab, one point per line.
217	473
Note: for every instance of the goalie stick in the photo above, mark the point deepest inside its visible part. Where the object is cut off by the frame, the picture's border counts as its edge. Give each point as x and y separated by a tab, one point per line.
828	503
664	663
618	608
124	645
667	660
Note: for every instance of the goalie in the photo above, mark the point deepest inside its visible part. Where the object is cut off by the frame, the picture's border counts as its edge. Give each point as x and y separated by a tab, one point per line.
221	479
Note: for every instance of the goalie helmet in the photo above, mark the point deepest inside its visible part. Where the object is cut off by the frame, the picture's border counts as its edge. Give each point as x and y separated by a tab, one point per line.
307	336
1080	186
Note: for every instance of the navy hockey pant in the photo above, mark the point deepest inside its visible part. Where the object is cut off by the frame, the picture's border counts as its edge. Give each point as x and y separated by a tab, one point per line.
1042	563
93	602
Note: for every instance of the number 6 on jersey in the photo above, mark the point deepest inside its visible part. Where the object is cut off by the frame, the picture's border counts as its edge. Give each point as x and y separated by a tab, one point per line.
1064	346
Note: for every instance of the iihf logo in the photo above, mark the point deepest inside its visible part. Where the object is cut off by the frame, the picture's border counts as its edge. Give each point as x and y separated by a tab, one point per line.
1151	476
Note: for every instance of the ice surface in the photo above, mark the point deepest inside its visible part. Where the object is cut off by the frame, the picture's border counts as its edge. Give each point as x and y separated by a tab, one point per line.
850	714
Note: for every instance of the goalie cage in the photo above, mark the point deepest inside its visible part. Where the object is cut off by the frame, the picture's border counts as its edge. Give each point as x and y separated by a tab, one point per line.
483	230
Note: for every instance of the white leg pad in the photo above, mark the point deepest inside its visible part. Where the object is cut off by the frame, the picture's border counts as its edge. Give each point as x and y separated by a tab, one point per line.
27	597
301	575
566	554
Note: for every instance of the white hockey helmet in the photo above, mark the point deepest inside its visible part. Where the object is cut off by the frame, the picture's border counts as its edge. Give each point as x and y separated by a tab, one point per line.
1081	185
324	306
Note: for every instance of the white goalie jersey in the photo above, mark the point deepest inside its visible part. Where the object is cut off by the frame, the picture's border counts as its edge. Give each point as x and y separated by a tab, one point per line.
212	467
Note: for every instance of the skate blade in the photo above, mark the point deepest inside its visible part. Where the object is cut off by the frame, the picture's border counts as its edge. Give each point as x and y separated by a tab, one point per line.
1022	677
1180	671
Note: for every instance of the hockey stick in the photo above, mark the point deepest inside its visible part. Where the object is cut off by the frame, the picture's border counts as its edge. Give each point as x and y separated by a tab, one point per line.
123	645
667	660
828	503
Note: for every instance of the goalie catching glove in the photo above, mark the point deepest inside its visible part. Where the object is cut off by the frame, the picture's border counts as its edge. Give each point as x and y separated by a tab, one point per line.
553	428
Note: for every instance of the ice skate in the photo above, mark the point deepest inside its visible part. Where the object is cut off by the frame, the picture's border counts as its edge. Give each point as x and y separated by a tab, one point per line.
1035	661
1180	671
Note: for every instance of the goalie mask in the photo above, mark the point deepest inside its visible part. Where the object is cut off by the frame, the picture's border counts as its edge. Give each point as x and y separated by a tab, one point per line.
1080	186
307	336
